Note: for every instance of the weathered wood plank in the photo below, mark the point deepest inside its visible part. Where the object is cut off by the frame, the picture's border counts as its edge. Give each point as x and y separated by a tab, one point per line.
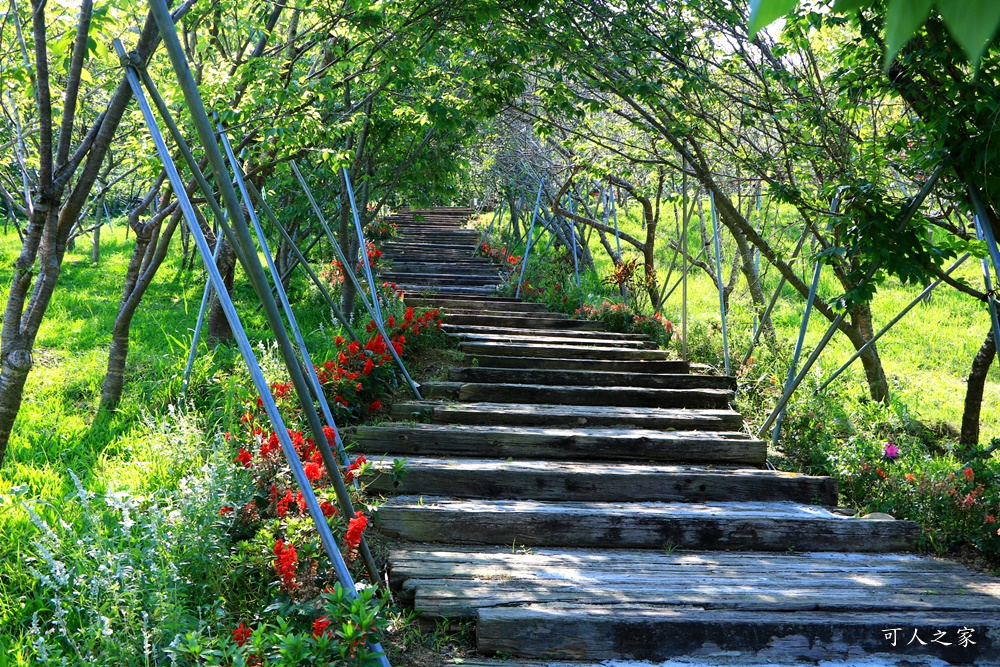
555	480
635	397
619	366
745	526
485	320
628	632
567	444
510	332
487	413
456	598
559	351
549	338
541	376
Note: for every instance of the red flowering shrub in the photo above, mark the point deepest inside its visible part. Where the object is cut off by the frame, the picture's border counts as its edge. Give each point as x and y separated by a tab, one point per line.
499	255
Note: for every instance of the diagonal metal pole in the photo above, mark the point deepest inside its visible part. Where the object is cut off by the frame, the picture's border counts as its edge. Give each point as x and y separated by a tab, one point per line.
486	234
310	369
196	335
718	273
243	342
242	240
901	315
349	272
531	230
984	231
302	263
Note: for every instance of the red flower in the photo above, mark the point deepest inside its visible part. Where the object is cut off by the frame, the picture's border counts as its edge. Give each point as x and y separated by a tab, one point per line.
313	471
225	510
990	518
331	435
354	530
286	563
285	501
369	366
352	469
320	625
375	406
241	634
244	457
328	508
969	474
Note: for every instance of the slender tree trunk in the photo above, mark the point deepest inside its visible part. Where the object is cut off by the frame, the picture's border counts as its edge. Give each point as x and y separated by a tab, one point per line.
969	436
878	385
218	328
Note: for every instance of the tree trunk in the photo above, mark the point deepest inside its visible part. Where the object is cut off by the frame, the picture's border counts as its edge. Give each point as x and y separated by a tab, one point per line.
969	436
147	256
878	386
218	328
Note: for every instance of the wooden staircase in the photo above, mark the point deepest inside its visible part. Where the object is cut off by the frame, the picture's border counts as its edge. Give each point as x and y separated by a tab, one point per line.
583	497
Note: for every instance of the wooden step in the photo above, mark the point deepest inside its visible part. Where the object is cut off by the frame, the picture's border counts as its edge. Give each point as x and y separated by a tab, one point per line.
573	444
513	333
489	413
592	481
602	365
542	376
476	292
633	397
471	319
548	351
746	526
608	632
456	582
526	337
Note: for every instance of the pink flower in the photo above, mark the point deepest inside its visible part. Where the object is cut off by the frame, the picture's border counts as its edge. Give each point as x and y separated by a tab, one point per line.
891	451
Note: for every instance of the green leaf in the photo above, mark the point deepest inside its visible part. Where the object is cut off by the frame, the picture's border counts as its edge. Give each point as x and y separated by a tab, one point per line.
972	23
765	12
850	6
902	19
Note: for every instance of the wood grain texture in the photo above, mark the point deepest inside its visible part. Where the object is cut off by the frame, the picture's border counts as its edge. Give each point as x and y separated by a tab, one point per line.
569	415
597	481
643	633
583	378
572	444
743	526
560	351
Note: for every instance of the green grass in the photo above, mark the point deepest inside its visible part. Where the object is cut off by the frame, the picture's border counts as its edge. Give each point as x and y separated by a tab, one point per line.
59	428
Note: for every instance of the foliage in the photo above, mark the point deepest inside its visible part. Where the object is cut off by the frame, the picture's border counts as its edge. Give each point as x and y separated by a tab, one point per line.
620	318
973	24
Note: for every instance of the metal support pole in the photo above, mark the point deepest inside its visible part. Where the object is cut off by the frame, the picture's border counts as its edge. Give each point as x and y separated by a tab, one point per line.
489	228
371	281
245	251
718	272
162	16
196	335
293	324
685	218
902	313
984	231
797	352
531	230
349	272
614	213
302	262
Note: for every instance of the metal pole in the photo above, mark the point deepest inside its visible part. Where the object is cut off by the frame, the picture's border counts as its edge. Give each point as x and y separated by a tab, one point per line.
379	322
245	251
572	233
531	230
614	213
302	262
349	272
902	313
718	272
796	353
283	298
196	336
243	343
489	228
685	218
984	231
